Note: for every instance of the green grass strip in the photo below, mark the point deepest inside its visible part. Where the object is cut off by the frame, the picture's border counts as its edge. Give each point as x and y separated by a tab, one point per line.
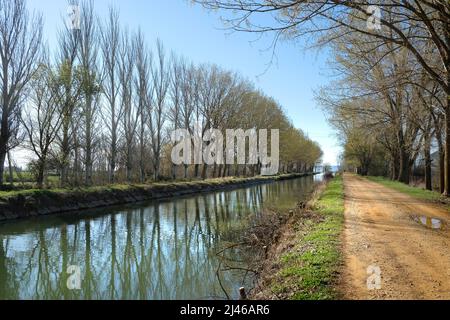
415	192
309	271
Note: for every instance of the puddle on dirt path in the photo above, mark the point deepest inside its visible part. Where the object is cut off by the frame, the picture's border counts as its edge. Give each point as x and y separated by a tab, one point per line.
430	223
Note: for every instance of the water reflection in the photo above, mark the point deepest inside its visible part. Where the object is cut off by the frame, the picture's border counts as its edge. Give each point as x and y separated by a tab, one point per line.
430	223
161	250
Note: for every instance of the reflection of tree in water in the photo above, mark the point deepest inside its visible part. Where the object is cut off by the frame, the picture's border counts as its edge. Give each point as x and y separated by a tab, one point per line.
9	286
166	250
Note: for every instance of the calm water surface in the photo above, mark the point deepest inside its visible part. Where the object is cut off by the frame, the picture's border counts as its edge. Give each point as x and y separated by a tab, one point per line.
158	250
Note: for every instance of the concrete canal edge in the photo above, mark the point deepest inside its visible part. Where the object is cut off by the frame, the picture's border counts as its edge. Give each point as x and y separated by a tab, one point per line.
35	203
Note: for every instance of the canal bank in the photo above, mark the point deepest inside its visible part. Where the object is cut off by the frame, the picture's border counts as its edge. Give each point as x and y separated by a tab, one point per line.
34	203
304	263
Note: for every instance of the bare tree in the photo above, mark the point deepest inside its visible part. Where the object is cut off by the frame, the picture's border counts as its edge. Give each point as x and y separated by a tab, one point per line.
188	87
161	84
20	43
174	112
88	51
215	94
130	112
110	47
42	120
144	93
69	91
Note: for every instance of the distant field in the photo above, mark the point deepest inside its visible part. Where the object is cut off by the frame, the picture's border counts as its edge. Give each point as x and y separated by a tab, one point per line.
18	177
27	179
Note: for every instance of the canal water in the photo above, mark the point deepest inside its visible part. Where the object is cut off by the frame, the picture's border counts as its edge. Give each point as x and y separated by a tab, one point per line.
158	250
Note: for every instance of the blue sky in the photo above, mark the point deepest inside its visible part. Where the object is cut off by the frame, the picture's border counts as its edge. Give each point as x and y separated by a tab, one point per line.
197	34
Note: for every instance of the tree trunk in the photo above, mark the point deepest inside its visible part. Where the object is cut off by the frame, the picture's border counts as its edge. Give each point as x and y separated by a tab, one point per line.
447	118
204	169
76	161
393	169
364	167
447	149
196	170
142	153
11	170
65	156
112	160
227	171
156	173
404	169
174	172
129	167
214	170
40	175
2	163
427	156
441	170
88	160
186	171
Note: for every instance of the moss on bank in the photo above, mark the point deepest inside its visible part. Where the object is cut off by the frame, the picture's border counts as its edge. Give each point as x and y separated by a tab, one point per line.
415	192
308	269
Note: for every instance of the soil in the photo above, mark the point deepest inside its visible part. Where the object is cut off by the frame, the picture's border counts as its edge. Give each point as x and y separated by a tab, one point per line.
408	239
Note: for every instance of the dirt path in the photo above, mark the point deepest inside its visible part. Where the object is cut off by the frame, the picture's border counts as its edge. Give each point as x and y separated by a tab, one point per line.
380	230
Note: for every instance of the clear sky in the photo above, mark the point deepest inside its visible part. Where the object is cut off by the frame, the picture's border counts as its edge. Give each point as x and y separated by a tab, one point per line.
197	34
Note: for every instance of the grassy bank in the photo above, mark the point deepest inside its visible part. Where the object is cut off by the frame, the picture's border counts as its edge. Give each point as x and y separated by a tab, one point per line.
34	202
415	192
307	268
170	184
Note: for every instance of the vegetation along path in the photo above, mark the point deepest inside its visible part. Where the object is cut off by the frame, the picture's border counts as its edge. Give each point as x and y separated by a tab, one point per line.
407	238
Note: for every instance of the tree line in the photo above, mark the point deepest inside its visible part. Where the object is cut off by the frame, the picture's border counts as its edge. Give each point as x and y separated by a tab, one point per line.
100	107
390	100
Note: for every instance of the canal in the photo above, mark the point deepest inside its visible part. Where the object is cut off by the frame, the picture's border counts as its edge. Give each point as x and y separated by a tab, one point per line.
157	250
